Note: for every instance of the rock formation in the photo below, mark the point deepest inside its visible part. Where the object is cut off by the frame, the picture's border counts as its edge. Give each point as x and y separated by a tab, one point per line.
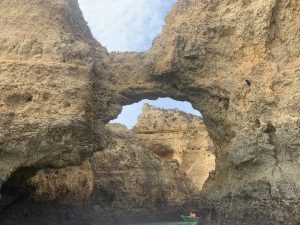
127	176
123	183
47	77
175	135
236	61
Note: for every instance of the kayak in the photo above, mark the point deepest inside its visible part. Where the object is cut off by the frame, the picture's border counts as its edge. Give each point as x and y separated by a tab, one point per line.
190	219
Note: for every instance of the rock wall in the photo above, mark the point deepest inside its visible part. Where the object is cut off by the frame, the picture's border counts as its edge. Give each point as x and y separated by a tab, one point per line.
155	172
137	177
47	81
179	136
235	61
71	185
123	183
238	63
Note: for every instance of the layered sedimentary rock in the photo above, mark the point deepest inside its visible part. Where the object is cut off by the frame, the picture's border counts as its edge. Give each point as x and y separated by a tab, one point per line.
238	63
135	177
179	136
71	185
155	172
47	81
235	61
123	183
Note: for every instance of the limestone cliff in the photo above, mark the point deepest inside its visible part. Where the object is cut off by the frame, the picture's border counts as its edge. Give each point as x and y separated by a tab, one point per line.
237	62
123	183
47	81
175	135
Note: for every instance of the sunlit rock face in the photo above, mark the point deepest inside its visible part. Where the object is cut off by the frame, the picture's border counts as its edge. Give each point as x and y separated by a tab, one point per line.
182	137
136	179
47	80
236	61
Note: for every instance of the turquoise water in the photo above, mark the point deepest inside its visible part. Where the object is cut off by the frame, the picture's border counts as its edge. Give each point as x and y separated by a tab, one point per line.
166	223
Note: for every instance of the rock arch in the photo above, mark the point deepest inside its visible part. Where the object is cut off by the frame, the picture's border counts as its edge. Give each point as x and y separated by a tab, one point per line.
208	53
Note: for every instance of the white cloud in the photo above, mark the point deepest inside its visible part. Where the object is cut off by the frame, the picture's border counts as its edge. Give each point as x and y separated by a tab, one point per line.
125	25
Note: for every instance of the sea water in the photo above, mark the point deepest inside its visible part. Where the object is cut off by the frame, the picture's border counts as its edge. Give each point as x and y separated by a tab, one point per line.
166	223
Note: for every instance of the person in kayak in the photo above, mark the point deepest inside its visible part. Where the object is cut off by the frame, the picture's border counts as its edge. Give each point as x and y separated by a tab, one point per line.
192	214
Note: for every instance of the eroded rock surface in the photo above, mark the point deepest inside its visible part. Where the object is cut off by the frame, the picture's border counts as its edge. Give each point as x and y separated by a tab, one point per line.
47	81
70	185
137	177
154	172
123	183
235	61
179	136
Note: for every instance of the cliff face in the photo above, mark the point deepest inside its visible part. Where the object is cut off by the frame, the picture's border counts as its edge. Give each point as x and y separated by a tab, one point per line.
236	61
136	177
155	172
123	183
175	135
47	80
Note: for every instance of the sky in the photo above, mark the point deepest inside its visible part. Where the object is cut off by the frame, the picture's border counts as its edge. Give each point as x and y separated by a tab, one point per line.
125	25
130	113
130	25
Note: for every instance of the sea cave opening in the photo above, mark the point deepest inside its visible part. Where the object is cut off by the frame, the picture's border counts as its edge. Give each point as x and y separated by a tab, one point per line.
174	133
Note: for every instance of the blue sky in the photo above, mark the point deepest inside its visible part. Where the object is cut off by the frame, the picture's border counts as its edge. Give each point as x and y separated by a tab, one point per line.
130	25
125	25
130	113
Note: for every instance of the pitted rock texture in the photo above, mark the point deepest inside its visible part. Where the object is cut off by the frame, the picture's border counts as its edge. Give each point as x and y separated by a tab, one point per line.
179	136
47	81
124	182
236	61
135	175
70	185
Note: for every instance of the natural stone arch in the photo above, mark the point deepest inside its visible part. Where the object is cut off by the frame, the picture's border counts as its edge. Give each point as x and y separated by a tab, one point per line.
234	72
212	102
